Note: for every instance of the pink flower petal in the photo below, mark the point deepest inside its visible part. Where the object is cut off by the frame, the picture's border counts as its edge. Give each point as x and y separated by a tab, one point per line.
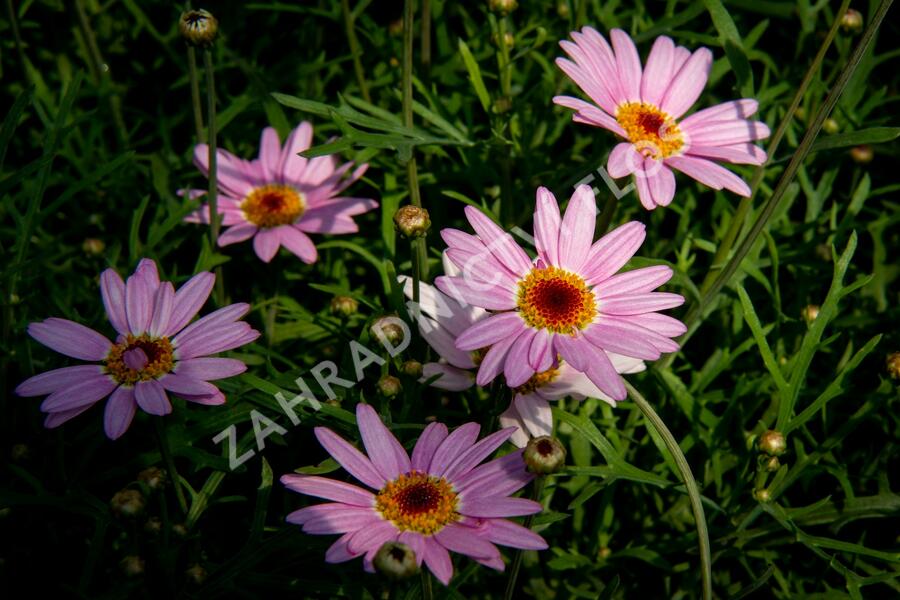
546	226
152	398
70	338
209	325
416	543
498	507
427	445
615	337
739	154
270	154
661	324
513	535
725	133
347	519
83	393
138	303
623	160
686	87
335	216
372	536
185	385
499	477
460	539
237	233
444	343
383	449
494	360
449	378
438	560
163	305
540	354
299	140
491	297
454	445
209	369
490	331
638	281
266	243
588	113
338	551
500	243
516	369
576	234
329	489
726	111
660	181
189	299
55	419
658	71
628	65
535	414
603	374
353	461
58	379
635	304
612	251
471	458
119	412
112	290
230	177
709	173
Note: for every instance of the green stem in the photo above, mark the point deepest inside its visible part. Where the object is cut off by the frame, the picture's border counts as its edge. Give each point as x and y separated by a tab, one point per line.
427	593
14	24
690	485
420	254
163	437
517	560
697	310
196	106
740	215
507	211
353	41
213	190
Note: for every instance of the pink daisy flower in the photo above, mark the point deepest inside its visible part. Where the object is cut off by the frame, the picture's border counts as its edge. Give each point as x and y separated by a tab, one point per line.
438	501
442	319
280	197
156	352
644	106
568	302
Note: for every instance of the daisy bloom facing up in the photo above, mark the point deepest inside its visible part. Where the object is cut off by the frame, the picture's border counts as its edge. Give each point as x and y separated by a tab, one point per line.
280	197
156	352
441	319
568	303
438	501
644	105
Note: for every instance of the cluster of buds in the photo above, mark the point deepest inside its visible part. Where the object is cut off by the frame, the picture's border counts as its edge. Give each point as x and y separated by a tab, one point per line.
344	306
893	365
153	478
127	503
503	7
389	386
198	27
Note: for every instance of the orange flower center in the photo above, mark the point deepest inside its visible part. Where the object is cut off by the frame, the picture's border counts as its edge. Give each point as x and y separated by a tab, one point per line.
653	132
537	380
139	358
273	205
418	502
555	299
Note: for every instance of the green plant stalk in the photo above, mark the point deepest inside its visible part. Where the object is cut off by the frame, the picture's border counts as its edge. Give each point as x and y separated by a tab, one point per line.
427	592
101	76
14	25
355	51
507	216
213	190
517	561
419	251
690	485
696	311
196	106
163	437
740	215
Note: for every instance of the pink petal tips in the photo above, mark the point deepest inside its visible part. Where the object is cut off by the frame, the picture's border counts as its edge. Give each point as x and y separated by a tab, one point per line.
156	352
280	197
439	501
644	106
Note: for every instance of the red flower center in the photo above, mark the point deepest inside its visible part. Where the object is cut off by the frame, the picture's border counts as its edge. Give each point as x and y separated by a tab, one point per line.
159	359
273	205
418	502
653	132
555	299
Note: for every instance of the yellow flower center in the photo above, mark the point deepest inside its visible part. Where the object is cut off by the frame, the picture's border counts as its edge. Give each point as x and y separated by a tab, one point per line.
273	205
139	358
653	132
418	502
555	299
537	380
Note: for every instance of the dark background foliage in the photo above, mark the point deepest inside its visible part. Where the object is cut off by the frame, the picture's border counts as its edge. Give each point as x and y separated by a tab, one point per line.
96	151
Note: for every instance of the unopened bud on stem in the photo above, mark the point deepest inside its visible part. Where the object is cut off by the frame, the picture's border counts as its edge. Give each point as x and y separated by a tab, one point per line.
412	221
772	443
544	455
395	561
198	27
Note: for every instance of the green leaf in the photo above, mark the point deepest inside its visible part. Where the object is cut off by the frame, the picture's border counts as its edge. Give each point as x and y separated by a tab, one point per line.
475	76
872	135
732	44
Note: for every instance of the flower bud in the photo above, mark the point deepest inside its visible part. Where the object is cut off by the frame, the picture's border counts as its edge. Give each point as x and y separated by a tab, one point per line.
562	9
412	221
893	365
396	561
389	386
769	463
127	503
830	126
862	155
153	477
604	553
852	21
544	455
153	526
762	495
198	27
503	7
344	306
772	443
810	312
413	368
132	566
93	246
196	575
508	39
180	530
386	328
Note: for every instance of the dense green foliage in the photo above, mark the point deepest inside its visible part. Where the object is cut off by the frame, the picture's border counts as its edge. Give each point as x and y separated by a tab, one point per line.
91	157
